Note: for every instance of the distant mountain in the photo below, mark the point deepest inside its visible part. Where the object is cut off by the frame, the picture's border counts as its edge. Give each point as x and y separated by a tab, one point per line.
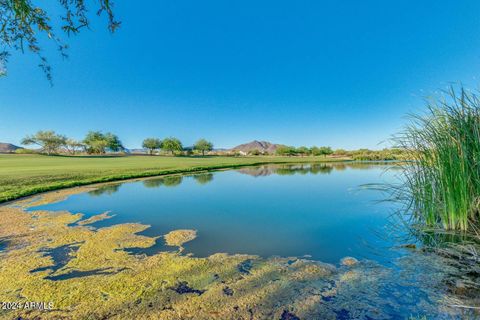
8	147
261	171
262	146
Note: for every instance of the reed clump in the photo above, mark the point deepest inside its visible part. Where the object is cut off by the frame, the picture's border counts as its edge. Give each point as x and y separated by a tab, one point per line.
441	185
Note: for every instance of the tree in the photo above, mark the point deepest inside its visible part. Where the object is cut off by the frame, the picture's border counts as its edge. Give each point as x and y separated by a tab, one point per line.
152	144
303	151
98	142
320	151
285	151
49	141
95	142
113	142
172	144
203	145
255	152
73	146
315	151
22	22
326	151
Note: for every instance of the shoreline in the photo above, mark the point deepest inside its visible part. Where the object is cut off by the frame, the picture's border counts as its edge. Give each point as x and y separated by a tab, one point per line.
163	172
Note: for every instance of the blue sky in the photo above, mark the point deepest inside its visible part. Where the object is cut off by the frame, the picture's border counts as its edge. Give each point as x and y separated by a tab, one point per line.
338	73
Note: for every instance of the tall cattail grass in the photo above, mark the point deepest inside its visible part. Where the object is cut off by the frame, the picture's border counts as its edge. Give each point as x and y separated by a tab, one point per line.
442	182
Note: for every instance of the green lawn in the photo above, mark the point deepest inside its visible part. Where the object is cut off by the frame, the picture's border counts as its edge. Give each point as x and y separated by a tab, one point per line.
22	175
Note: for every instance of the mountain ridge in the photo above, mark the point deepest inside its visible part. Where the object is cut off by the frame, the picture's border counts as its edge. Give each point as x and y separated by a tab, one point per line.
262	146
8	147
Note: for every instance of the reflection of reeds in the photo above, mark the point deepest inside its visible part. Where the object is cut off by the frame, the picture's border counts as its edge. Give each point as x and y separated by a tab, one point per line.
442	184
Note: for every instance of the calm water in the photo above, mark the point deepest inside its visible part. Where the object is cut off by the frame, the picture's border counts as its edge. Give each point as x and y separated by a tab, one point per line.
286	210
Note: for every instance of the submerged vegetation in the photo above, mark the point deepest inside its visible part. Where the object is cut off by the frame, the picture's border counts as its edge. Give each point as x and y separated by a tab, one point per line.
441	186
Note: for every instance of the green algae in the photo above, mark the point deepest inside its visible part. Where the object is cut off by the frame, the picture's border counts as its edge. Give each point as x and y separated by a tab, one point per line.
177	238
95	218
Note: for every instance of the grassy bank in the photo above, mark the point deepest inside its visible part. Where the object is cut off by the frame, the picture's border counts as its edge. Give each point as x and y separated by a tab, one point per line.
22	175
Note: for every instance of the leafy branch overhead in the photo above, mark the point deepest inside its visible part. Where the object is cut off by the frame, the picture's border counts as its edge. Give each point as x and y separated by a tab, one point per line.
22	23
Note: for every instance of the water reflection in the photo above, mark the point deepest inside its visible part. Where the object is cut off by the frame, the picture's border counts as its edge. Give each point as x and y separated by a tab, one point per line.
105	190
172	181
315	168
203	178
167	181
153	183
254	171
441	238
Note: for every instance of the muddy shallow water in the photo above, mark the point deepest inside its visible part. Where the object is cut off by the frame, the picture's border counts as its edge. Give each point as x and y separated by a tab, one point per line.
255	243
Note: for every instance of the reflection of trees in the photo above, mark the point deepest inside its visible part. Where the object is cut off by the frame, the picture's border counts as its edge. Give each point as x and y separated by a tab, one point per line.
203	178
108	190
284	171
369	165
172	181
289	169
167	181
361	166
341	166
321	168
259	171
152	183
315	168
303	170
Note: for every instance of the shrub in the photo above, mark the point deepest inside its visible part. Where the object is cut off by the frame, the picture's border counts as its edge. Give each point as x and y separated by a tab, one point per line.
25	151
441	187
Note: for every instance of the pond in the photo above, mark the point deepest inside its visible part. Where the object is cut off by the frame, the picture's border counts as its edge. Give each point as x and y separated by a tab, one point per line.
312	210
283	231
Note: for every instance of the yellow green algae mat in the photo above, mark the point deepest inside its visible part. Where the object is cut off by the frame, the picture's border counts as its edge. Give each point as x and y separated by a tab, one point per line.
55	265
